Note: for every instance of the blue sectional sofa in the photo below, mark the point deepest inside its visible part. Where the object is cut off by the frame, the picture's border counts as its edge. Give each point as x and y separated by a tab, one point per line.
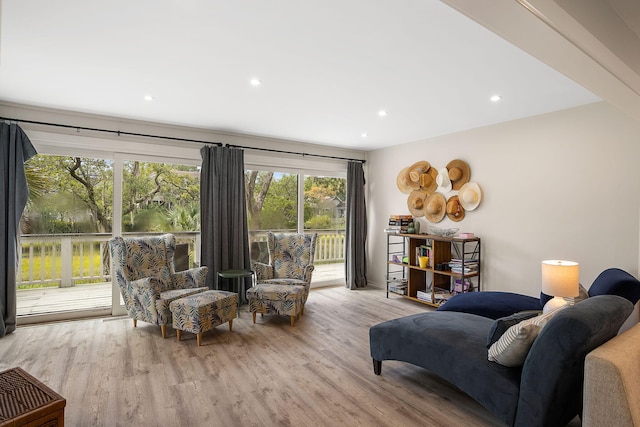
545	391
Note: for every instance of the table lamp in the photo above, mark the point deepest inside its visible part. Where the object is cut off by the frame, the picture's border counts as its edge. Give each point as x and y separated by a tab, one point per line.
559	279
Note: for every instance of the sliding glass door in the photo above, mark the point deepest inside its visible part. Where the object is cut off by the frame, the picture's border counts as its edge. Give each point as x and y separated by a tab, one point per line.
65	228
291	202
76	205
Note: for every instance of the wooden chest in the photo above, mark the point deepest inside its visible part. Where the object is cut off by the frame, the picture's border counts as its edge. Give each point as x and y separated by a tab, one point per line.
25	401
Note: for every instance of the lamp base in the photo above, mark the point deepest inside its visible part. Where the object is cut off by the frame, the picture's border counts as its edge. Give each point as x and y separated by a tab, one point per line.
554	304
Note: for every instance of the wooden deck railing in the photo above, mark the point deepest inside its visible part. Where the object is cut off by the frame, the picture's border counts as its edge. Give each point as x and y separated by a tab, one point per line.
64	260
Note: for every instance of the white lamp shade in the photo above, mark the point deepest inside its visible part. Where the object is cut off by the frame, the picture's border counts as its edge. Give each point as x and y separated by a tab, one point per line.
560	278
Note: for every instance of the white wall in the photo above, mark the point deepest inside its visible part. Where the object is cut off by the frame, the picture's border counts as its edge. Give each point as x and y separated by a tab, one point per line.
563	185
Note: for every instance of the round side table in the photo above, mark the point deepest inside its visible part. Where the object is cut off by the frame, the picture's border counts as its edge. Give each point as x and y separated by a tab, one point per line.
235	276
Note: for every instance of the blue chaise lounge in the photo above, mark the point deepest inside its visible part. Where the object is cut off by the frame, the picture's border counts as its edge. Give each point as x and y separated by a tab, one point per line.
545	391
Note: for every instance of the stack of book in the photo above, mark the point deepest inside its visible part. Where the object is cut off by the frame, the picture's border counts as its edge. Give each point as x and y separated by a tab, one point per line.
439	297
424	296
400	223
399	286
470	266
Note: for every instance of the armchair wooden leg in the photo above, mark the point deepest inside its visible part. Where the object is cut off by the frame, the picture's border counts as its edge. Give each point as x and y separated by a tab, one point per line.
135	323
293	320
254	316
163	329
199	338
179	334
231	325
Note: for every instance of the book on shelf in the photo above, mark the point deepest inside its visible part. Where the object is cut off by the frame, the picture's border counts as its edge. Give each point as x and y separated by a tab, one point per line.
401	291
470	266
401	217
424	296
398	282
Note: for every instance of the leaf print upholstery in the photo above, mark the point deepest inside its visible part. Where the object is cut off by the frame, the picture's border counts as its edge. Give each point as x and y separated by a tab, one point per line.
291	258
143	269
275	298
204	311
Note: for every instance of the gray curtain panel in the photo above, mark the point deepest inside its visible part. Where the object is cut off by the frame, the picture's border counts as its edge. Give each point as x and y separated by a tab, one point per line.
356	228
223	214
15	150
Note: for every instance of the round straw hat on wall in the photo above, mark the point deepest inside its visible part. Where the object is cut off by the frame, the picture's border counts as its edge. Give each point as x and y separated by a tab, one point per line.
401	181
455	211
435	207
428	181
470	195
415	203
459	173
414	171
443	181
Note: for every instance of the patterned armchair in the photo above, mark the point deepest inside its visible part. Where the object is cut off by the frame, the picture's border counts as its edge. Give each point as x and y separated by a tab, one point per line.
290	260
143	268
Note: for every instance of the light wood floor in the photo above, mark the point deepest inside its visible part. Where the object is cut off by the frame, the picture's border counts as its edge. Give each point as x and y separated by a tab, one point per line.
317	373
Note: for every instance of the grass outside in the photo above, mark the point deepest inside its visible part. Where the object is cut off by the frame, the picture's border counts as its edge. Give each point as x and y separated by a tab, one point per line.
47	270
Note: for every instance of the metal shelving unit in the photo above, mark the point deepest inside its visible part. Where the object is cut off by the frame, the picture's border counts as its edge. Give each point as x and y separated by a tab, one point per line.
432	285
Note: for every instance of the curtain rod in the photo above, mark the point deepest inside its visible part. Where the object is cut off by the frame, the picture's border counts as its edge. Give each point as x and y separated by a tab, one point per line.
293	152
117	132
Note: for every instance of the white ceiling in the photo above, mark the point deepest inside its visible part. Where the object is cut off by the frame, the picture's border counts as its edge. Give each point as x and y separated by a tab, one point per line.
327	67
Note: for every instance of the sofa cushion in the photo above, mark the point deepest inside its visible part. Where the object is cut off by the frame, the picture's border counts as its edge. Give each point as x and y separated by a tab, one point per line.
614	281
501	325
491	304
512	347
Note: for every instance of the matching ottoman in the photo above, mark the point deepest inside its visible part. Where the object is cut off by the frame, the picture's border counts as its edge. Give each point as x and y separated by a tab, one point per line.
286	300
204	311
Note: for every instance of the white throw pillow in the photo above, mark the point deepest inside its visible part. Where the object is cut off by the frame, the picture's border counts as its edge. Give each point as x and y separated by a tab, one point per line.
513	346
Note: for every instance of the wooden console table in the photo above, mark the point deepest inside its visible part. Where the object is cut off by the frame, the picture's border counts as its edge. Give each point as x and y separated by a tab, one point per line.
25	401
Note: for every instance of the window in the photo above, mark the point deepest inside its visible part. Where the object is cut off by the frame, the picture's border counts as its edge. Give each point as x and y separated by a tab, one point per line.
273	204
65	228
160	197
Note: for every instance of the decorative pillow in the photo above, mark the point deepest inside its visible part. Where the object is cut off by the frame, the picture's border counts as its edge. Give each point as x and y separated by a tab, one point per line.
501	325
513	346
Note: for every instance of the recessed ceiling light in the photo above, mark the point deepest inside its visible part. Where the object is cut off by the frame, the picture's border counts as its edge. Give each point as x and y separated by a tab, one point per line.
256	82
364	134
382	113
495	98
148	98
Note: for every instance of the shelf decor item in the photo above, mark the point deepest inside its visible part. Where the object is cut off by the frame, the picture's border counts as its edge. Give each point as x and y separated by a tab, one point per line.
442	232
560	279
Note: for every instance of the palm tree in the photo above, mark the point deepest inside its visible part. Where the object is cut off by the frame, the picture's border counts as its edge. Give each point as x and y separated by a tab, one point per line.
37	184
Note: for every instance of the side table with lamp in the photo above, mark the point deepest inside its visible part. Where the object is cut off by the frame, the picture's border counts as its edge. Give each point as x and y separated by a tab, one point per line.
560	279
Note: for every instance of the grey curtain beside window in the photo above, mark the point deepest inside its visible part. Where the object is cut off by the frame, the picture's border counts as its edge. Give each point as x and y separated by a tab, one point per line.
15	149
356	228
223	214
